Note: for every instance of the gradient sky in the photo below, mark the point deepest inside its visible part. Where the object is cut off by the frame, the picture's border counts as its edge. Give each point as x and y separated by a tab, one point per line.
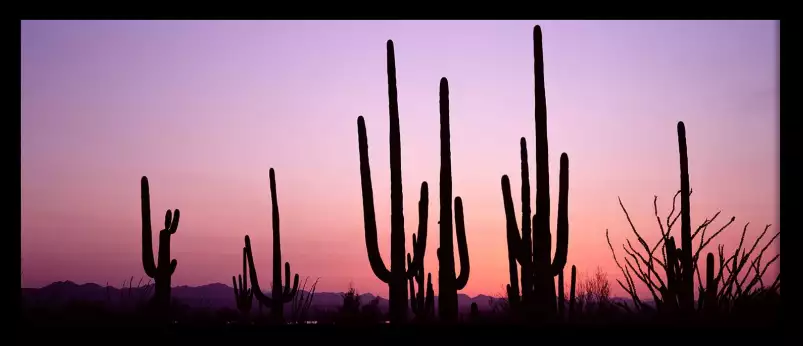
205	108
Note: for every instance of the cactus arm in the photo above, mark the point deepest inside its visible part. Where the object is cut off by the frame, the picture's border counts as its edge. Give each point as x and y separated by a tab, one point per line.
173	265
411	280
245	272
172	226
236	293
562	241
514	239
420	243
289	293
261	297
288	297
147	243
369	215
526	227
462	246
286	279
572	291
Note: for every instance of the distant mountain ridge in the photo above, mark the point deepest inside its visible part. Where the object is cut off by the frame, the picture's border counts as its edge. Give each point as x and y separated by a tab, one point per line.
214	296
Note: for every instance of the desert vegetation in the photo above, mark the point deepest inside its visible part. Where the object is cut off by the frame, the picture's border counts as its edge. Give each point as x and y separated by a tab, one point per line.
731	286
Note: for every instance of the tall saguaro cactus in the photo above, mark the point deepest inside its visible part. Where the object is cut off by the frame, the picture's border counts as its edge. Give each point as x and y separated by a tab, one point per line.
163	269
398	275
686	293
538	267
448	282
278	296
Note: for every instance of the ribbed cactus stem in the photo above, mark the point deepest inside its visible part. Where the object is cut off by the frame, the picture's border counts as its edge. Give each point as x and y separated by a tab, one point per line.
162	271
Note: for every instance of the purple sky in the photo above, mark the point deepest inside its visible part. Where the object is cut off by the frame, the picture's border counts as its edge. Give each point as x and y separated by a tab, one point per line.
205	108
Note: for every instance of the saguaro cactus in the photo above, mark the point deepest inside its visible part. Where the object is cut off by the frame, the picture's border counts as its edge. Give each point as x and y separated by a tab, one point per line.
243	295
561	296
422	302
161	271
448	283
538	267
398	275
278	296
686	287
710	298
572	291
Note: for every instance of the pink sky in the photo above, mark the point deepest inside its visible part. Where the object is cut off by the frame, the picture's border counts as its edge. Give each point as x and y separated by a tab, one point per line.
205	108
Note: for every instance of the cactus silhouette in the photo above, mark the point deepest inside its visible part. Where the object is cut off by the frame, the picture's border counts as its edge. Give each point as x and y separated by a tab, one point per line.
572	291
421	302
537	267
686	285
475	312
561	296
678	294
278	296
243	295
396	278
448	282
710	296
163	269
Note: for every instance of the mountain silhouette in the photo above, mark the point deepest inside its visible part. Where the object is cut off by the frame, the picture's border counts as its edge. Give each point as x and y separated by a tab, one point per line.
211	296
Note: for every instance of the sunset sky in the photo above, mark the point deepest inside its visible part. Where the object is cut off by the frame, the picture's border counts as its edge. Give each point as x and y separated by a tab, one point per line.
205	108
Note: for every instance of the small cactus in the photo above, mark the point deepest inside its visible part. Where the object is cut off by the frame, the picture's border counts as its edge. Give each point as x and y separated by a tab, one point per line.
278	296
162	271
243	295
572	291
475	312
398	275
421	302
561	296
